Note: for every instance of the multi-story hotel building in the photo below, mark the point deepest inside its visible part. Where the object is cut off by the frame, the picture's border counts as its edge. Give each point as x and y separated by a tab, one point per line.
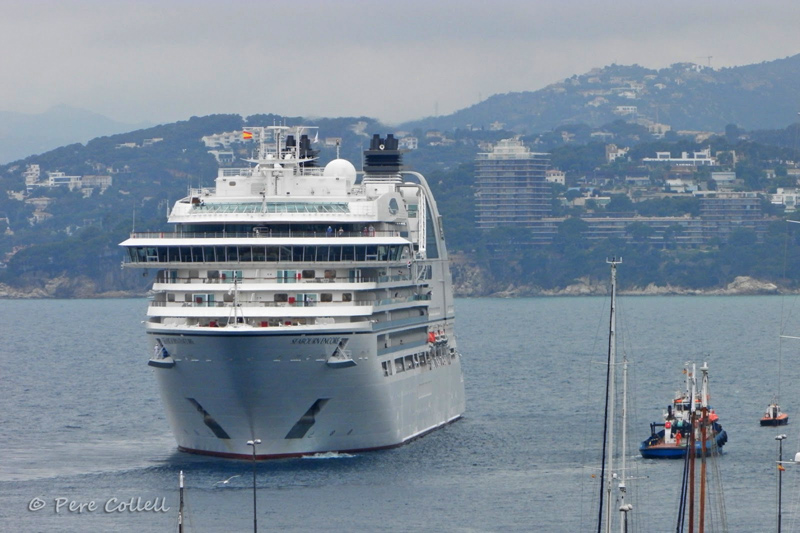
511	186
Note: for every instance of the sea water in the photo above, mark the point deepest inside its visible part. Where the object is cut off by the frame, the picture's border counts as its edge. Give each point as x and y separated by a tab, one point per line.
86	446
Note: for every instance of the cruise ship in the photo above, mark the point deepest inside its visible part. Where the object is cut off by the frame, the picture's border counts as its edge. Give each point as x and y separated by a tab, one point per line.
300	309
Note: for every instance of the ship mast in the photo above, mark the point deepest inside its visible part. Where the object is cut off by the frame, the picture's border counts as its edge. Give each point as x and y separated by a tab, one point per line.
704	445
700	423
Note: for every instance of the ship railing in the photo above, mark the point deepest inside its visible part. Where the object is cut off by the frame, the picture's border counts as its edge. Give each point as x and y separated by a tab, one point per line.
259	233
290	303
357	190
202	191
153	262
292	281
231	172
309	303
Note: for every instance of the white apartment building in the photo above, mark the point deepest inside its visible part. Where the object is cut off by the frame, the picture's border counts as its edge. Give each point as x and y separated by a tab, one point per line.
787	197
409	143
223	140
57	179
625	110
613	153
555	176
700	158
32	175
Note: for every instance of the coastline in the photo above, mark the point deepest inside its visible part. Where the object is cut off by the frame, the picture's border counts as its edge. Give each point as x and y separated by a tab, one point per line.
740	286
64	287
470	280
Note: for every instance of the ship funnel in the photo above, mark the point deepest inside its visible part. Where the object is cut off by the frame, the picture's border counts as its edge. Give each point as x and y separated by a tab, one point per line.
306	152
383	156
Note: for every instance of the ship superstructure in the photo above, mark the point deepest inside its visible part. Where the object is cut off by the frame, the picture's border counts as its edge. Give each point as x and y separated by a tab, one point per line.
308	307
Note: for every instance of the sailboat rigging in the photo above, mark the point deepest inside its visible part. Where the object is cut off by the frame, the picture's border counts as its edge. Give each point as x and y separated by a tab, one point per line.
604	522
774	416
700	443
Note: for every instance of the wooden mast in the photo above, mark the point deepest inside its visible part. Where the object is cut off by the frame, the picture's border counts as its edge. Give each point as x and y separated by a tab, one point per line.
703	436
690	451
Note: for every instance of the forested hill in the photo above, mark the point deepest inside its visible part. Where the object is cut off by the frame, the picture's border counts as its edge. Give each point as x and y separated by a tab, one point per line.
685	96
60	242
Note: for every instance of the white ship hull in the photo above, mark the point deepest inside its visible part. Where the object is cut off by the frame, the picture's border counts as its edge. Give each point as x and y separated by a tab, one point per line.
303	309
231	387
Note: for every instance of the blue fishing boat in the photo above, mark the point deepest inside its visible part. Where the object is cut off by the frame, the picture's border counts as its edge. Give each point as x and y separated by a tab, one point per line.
671	438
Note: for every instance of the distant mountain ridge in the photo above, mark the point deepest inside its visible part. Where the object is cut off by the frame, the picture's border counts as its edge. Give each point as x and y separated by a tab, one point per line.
23	134
684	96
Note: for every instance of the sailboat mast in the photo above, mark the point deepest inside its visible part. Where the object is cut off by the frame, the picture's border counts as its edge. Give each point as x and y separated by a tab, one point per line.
691	449
612	352
180	509
623	508
606	486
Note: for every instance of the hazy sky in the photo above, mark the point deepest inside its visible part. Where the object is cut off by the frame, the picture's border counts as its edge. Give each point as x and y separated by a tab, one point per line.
166	60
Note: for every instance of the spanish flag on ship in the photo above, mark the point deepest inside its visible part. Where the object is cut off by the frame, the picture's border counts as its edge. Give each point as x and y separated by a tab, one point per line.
247	134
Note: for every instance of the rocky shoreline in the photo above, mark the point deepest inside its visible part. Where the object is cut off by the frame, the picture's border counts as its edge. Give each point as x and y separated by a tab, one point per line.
469	280
63	287
740	286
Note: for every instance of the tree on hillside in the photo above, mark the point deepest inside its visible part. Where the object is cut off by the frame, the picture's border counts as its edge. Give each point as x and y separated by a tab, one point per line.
620	203
640	232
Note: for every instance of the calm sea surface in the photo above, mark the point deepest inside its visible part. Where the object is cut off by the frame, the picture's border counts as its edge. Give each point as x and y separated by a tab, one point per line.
81	423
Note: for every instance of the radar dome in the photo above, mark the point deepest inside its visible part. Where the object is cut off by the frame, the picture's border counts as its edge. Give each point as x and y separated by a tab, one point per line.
340	168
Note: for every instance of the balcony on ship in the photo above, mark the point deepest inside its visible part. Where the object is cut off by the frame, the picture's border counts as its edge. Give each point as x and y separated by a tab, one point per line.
203	311
267	232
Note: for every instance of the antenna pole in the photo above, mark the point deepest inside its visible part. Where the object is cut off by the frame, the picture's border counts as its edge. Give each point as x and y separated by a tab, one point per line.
255	514
780	439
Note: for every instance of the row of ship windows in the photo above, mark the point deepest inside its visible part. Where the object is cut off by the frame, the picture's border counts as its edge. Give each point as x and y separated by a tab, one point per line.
286	276
436	357
219	254
209	299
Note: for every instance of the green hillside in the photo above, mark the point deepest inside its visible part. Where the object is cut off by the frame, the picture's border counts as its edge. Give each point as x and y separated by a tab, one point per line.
685	96
56	241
